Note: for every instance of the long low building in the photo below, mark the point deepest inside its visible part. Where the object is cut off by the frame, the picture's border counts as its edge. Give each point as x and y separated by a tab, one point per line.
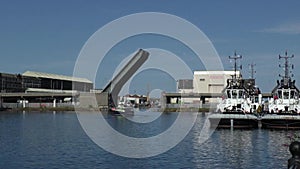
12	83
60	82
41	87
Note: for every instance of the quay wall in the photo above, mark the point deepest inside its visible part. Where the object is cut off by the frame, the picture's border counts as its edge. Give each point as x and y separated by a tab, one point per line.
37	105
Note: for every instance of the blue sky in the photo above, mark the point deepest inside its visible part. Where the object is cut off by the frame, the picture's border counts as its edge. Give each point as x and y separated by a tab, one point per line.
47	36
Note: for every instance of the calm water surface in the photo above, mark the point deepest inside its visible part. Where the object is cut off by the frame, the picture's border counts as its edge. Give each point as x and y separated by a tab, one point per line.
48	140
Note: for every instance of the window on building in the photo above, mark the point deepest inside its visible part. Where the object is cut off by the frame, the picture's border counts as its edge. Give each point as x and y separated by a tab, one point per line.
201	80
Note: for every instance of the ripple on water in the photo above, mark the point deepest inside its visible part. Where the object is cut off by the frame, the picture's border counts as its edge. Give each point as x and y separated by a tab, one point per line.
46	140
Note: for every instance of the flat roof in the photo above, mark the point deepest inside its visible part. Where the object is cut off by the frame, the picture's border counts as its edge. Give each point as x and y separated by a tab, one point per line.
49	90
225	72
55	76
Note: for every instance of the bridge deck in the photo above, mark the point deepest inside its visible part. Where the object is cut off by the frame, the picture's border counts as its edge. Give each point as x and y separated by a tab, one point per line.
26	95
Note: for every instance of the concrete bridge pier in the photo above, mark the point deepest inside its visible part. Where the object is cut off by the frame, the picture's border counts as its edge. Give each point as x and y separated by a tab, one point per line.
54	102
23	103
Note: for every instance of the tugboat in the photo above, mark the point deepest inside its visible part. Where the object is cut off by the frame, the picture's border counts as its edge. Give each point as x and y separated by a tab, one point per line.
284	107
240	96
285	95
240	104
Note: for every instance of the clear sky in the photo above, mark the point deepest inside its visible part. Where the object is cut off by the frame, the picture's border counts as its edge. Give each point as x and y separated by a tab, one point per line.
47	36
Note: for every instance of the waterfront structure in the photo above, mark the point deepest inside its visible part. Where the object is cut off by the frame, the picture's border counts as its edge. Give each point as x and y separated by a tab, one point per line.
42	82
113	88
205	87
211	81
185	86
285	94
38	87
11	83
60	82
30	89
133	100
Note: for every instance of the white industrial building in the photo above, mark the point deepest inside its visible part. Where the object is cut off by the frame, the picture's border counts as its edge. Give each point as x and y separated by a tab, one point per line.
211	81
204	82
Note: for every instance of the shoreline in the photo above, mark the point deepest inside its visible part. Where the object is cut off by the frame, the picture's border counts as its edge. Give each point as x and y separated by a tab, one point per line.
200	110
73	109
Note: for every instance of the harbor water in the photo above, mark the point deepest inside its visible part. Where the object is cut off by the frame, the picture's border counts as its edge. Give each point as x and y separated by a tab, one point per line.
56	140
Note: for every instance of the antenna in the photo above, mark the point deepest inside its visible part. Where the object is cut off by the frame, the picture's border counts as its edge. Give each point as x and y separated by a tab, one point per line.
286	65
235	58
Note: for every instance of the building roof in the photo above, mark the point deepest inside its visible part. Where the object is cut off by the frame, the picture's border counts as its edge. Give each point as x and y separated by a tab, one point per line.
39	90
225	72
55	76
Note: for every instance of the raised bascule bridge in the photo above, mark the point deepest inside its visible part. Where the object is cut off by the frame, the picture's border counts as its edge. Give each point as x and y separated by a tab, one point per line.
67	88
107	99
113	88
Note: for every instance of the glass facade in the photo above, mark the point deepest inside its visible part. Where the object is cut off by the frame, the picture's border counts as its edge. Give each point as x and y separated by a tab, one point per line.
11	83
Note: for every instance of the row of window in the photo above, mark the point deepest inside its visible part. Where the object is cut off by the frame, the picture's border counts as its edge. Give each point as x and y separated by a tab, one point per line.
287	94
13	83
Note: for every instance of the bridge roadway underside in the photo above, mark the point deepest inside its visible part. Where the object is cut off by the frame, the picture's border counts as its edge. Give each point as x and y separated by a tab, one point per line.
166	97
116	84
14	97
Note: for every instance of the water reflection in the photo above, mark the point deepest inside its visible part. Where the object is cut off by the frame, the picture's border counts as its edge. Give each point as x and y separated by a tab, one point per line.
47	140
134	129
235	148
144	116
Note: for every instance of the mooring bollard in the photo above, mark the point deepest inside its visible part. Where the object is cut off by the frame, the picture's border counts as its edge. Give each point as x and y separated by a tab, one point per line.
294	162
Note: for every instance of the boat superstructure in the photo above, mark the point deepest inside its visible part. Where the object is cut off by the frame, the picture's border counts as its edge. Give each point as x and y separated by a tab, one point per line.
242	106
240	95
285	95
254	98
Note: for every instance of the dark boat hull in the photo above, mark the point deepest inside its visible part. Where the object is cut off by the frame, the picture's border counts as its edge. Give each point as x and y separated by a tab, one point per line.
236	123
280	124
233	121
118	112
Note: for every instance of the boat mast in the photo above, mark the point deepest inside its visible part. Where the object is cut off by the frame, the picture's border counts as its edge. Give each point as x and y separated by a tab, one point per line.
235	58
286	66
